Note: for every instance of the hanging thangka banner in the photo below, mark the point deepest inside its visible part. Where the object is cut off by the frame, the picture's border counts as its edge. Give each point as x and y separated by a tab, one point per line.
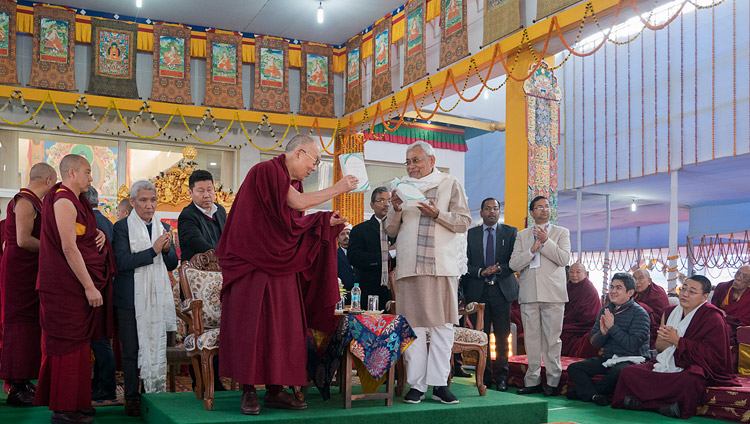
543	97
223	69
8	73
454	39
53	61
414	46
501	17
113	45
316	85
271	74
353	75
381	60
171	81
545	8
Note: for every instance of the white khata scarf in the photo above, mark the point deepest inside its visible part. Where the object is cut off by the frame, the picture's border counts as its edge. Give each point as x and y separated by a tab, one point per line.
154	306
665	360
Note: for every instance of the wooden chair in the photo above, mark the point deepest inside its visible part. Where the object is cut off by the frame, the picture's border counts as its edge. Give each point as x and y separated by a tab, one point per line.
176	353
201	280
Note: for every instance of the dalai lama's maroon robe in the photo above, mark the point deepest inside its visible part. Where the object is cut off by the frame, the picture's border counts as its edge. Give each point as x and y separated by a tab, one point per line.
68	322
279	269
738	311
702	353
21	334
581	311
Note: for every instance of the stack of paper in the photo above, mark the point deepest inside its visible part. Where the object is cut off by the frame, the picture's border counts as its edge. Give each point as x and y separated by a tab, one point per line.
354	164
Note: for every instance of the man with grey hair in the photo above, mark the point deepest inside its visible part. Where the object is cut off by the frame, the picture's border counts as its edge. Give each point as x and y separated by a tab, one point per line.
432	255
280	278
143	294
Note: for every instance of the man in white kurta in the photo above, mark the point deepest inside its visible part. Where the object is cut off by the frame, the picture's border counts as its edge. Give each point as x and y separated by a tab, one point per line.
540	255
431	257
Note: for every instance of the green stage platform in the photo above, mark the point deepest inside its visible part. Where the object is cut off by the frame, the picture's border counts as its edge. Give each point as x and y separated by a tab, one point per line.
185	408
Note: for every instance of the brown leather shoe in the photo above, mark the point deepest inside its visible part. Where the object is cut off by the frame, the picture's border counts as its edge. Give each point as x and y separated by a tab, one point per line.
282	400
89	412
20	396
66	417
133	407
249	404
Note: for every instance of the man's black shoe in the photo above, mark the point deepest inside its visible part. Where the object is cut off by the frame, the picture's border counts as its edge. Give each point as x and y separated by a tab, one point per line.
600	400
572	395
502	386
551	391
672	410
630	402
531	389
414	396
444	395
459	372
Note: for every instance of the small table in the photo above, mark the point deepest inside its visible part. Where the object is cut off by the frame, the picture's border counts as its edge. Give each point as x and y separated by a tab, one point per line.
345	381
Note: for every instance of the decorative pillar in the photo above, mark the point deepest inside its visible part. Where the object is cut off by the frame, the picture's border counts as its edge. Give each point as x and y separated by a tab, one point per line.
579	235
605	283
350	205
673	221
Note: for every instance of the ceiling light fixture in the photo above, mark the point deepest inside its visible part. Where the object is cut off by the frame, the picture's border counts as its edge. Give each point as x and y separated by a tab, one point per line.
138	3
633	206
320	13
212	163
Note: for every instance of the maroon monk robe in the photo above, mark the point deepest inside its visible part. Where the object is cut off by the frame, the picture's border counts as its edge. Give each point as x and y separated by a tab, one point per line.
655	297
279	269
702	353
738	311
68	322
20	302
581	311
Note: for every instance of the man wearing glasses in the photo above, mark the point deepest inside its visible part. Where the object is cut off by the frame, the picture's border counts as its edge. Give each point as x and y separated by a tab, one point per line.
540	254
431	243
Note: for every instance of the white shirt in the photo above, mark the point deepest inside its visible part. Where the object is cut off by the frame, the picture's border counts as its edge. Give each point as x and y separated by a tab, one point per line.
209	213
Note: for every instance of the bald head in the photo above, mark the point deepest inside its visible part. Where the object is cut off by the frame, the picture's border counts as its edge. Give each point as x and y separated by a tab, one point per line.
741	279
297	141
642	279
41	171
302	157
71	162
577	273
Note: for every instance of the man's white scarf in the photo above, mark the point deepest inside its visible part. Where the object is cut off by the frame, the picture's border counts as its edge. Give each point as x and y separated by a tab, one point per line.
665	360
154	306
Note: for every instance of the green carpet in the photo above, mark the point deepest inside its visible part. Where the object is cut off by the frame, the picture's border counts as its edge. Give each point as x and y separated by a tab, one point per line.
184	408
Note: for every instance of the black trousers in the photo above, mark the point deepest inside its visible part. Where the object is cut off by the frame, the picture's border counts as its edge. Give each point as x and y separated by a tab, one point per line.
497	318
580	374
129	341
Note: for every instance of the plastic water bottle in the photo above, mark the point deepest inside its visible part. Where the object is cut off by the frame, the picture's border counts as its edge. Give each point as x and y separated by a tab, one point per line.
356	296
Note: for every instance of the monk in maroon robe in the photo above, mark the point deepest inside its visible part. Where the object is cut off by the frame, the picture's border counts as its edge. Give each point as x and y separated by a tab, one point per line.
647	293
75	291
19	300
728	297
694	352
581	312
280	275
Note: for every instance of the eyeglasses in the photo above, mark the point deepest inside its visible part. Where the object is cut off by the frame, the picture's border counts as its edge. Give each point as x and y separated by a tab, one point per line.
415	160
382	201
542	208
316	161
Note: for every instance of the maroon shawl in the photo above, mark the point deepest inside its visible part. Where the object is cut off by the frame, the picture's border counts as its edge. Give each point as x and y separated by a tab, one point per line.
655	297
738	312
66	317
582	308
278	240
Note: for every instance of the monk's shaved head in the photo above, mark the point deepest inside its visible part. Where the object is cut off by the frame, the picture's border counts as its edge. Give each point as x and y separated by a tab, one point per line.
642	279
579	266
42	171
297	141
71	161
577	273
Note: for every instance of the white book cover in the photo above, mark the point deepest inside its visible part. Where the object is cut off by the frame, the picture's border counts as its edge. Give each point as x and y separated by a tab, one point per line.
354	164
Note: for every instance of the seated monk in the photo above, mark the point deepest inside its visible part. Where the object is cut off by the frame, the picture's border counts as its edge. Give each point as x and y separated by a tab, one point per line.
735	307
693	346
515	318
649	294
581	310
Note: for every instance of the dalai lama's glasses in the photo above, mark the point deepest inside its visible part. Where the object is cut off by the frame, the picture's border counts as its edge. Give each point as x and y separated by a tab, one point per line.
316	162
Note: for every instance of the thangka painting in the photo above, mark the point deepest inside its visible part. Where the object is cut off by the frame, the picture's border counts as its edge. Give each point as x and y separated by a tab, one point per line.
171	72
113	58
545	8
8	72
353	75
271	72
501	17
454	38
414	47
543	97
381	63
316	75
224	69
53	61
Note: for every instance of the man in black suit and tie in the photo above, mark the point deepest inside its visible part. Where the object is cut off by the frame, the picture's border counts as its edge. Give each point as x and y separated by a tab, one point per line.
490	280
346	272
370	249
201	222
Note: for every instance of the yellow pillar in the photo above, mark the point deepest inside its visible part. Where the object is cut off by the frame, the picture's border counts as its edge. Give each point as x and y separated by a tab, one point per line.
350	205
516	145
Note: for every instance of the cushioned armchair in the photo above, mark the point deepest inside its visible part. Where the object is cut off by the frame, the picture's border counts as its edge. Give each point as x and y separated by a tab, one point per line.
201	280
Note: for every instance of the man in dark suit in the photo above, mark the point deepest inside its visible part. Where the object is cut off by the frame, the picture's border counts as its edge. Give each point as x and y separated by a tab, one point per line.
346	272
155	243
201	222
365	251
490	280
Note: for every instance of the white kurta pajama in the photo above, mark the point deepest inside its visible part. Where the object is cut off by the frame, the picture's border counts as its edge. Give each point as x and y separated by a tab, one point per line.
428	295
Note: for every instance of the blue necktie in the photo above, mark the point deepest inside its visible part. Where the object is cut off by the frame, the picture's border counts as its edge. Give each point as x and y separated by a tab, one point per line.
489	250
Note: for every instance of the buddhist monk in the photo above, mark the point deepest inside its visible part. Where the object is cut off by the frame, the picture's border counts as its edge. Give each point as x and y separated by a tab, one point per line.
735	307
652	297
20	303
581	311
693	345
75	291
279	268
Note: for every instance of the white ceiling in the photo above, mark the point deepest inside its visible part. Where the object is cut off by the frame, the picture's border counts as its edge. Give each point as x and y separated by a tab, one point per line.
294	19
